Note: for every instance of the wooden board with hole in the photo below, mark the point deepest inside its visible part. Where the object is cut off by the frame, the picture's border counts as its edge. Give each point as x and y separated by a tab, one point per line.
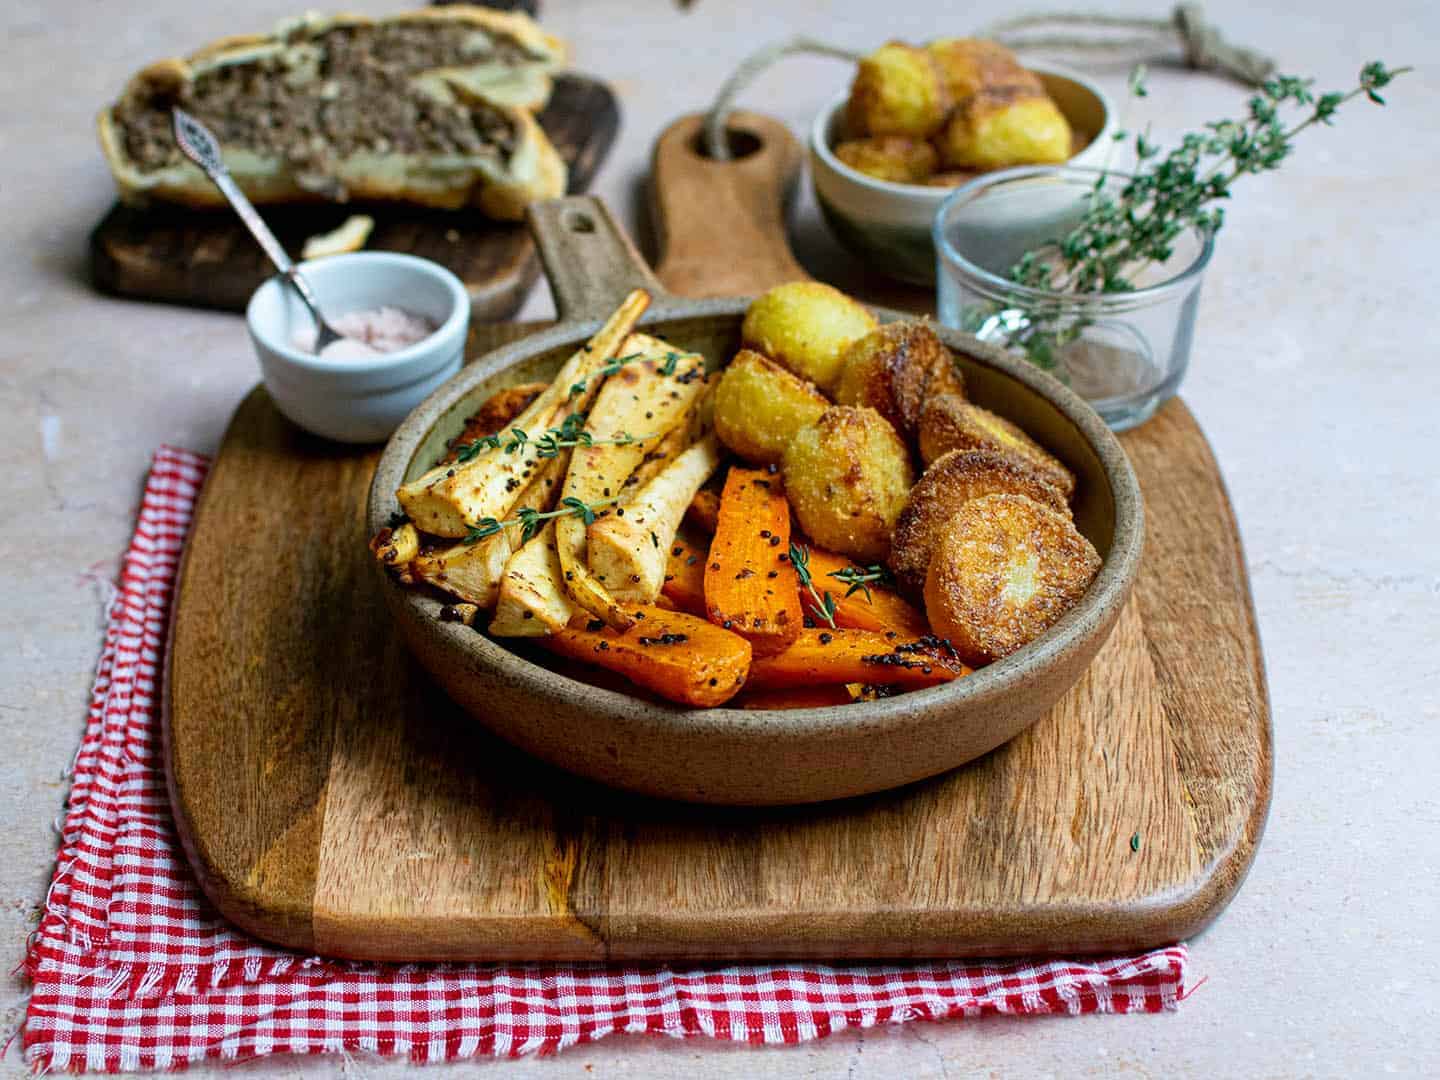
206	258
333	799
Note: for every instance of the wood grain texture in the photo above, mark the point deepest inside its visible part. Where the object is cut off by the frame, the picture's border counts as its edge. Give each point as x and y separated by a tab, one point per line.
332	799
206	258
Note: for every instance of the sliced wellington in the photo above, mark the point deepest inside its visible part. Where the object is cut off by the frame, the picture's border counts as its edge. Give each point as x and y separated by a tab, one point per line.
429	107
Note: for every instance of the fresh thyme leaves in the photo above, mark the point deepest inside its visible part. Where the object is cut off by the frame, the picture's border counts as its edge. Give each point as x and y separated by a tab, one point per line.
531	520
824	604
1135	842
1123	231
859	579
570	433
610	368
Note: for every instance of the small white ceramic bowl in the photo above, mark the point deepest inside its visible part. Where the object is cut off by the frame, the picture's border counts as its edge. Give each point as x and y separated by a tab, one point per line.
364	399
888	224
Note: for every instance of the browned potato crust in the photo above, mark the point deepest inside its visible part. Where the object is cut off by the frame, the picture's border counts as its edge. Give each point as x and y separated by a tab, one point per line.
951	423
897	158
947	485
495	414
968	65
847	475
895	370
759	406
999	127
1004	570
805	326
898	90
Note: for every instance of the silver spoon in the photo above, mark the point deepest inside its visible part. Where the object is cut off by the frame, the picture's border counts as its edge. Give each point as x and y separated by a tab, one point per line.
197	144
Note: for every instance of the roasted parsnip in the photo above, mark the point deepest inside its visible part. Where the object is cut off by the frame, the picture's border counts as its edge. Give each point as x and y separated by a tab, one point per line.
449	499
472	571
394	547
628	553
532	600
635	409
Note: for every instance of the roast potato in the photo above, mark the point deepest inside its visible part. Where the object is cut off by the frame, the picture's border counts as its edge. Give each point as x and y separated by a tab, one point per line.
969	65
759	406
897	90
1000	127
947	485
951	423
847	475
894	370
1005	569
897	158
806	327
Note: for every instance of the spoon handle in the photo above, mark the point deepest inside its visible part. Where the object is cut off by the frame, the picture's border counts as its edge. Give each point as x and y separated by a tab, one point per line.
197	144
256	224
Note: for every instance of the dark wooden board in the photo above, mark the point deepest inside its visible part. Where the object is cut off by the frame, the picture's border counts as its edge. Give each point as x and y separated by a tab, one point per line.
206	258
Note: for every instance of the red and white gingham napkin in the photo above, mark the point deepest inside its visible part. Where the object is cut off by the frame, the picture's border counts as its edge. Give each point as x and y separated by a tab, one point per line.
132	969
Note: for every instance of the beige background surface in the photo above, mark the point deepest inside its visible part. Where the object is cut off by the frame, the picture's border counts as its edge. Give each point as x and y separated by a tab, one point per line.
1315	374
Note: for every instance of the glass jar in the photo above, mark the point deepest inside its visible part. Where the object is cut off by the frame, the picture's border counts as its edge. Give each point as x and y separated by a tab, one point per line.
1124	352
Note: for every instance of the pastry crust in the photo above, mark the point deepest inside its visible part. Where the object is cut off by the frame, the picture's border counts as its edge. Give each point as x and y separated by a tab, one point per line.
501	189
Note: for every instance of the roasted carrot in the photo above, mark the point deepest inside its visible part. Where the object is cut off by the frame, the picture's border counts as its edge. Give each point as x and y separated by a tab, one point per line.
680	657
799	697
882	609
684	584
822	656
750	586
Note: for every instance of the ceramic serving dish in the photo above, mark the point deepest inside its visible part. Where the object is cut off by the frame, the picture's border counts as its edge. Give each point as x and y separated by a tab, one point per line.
739	756
358	400
888	224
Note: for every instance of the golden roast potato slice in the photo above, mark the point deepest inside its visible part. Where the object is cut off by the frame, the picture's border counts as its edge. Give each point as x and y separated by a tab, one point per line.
1005	569
947	485
951	423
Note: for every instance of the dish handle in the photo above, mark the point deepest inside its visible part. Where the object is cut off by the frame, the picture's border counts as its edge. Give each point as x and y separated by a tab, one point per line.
591	263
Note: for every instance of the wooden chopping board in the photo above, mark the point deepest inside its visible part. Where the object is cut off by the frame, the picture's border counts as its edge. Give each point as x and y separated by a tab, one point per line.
331	798
206	258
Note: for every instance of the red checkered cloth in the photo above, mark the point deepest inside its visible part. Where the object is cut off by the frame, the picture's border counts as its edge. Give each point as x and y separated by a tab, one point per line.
132	969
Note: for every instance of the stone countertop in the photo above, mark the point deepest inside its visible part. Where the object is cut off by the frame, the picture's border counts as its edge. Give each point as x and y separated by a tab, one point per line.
1314	374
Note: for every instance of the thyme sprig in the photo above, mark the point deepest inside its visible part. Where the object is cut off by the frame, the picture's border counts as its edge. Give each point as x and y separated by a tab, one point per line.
612	366
1122	232
859	579
571	432
824	604
531	520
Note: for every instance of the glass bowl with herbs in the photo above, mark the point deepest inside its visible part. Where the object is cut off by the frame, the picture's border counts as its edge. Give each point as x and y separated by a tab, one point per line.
1094	274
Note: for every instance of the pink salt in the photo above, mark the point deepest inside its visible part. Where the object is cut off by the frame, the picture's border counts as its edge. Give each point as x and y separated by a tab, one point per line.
369	333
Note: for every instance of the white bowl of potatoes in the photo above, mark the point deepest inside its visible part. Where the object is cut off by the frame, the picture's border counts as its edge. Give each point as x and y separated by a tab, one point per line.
919	121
